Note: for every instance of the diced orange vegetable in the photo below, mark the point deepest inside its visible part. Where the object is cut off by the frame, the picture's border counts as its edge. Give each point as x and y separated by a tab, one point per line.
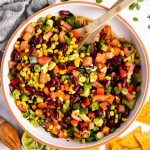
46	91
100	97
19	66
71	68
110	99
43	77
104	105
91	114
42	105
100	91
77	134
108	55
106	32
66	96
119	86
123	73
130	96
43	60
74	122
115	42
75	33
61	37
96	84
27	36
76	73
128	52
86	102
116	51
22	108
87	61
106	130
61	134
56	69
62	87
29	28
56	94
131	88
100	58
11	64
23	46
101	76
66	86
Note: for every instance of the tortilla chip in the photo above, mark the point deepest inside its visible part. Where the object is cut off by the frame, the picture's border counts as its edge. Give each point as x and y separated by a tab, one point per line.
136	148
94	148
144	116
144	140
116	146
130	141
111	143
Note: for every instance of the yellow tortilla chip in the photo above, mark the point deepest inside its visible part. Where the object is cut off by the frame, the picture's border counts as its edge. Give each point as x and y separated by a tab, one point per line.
116	146
136	148
95	148
144	116
130	141
111	143
144	140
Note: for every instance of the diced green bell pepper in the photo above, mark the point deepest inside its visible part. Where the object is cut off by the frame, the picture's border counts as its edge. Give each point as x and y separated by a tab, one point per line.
116	90
76	106
42	19
86	90
10	75
95	105
47	27
83	110
16	93
66	106
24	97
109	89
103	46
51	65
129	103
34	123
70	20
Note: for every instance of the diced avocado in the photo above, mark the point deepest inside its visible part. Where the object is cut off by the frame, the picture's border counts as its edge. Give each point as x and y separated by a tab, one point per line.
50	22
98	121
36	78
70	20
82	78
37	68
46	27
10	75
26	114
68	40
51	65
24	97
116	90
39	99
129	103
44	68
66	106
95	105
42	19
83	110
84	118
64	77
34	123
75	129
86	90
16	93
76	106
99	136
89	48
103	46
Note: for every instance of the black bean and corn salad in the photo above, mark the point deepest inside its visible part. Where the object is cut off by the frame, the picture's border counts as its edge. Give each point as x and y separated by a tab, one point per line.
85	93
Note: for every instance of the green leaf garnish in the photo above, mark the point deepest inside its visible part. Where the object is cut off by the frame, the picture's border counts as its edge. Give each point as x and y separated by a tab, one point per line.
135	19
99	1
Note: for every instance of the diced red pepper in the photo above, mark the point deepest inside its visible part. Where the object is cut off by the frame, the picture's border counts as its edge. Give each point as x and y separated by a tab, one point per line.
86	102
71	68
43	60
74	122
75	33
131	88
91	114
100	91
15	81
123	74
87	61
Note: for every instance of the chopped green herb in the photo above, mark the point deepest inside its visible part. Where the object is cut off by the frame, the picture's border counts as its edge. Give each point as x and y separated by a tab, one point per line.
132	6
140	0
149	26
135	19
148	16
138	6
99	1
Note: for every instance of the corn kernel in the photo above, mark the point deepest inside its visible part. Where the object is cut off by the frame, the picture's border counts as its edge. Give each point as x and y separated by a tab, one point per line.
39	31
96	39
34	107
25	58
17	42
52	89
66	81
116	120
36	118
66	58
77	62
23	103
49	16
44	46
65	133
63	72
56	51
55	37
26	42
111	113
38	46
26	50
74	39
82	55
51	127
80	83
122	53
112	107
72	42
45	37
116	116
55	131
112	50
18	102
108	78
56	43
75	46
53	46
88	54
83	141
124	119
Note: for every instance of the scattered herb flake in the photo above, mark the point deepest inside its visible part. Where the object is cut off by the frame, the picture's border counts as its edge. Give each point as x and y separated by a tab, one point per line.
138	6
149	26
64	0
135	19
148	16
99	1
140	0
132	6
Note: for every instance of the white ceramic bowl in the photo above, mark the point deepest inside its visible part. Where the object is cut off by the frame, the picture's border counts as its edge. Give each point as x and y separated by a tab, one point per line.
92	11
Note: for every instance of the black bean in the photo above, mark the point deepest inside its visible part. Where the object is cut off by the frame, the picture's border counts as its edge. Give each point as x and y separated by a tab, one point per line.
108	82
48	98
31	51
111	123
108	64
79	40
126	113
107	114
63	125
124	82
30	89
40	93
65	13
17	56
75	99
98	113
80	126
64	47
13	54
14	71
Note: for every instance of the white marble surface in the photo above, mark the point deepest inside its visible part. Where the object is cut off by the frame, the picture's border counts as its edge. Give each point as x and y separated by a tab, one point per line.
142	30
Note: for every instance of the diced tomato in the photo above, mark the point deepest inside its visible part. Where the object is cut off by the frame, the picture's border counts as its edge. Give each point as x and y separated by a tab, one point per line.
24	46
61	134
19	66
42	105
104	105
66	96
49	34
100	97
86	102
22	108
110	99
29	28
15	81
119	86
62	87
66	86
101	75
100	91
116	51
87	61
115	42
108	55
43	77
121	108
128	52
91	114
74	122
43	60
100	58
75	33
56	69
77	134
106	32
11	64
76	73
130	67
61	37
96	84
131	88
123	74
56	94
106	130
67	26
49	114
71	68
46	91
27	36
130	96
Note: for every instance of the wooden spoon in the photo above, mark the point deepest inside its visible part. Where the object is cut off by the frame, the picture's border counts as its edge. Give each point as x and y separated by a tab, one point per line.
90	31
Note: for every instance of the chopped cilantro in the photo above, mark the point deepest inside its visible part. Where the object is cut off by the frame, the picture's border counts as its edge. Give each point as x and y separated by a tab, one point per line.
149	26
99	1
135	19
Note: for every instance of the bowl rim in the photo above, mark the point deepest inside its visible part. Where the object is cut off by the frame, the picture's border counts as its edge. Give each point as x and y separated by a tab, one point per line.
84	3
